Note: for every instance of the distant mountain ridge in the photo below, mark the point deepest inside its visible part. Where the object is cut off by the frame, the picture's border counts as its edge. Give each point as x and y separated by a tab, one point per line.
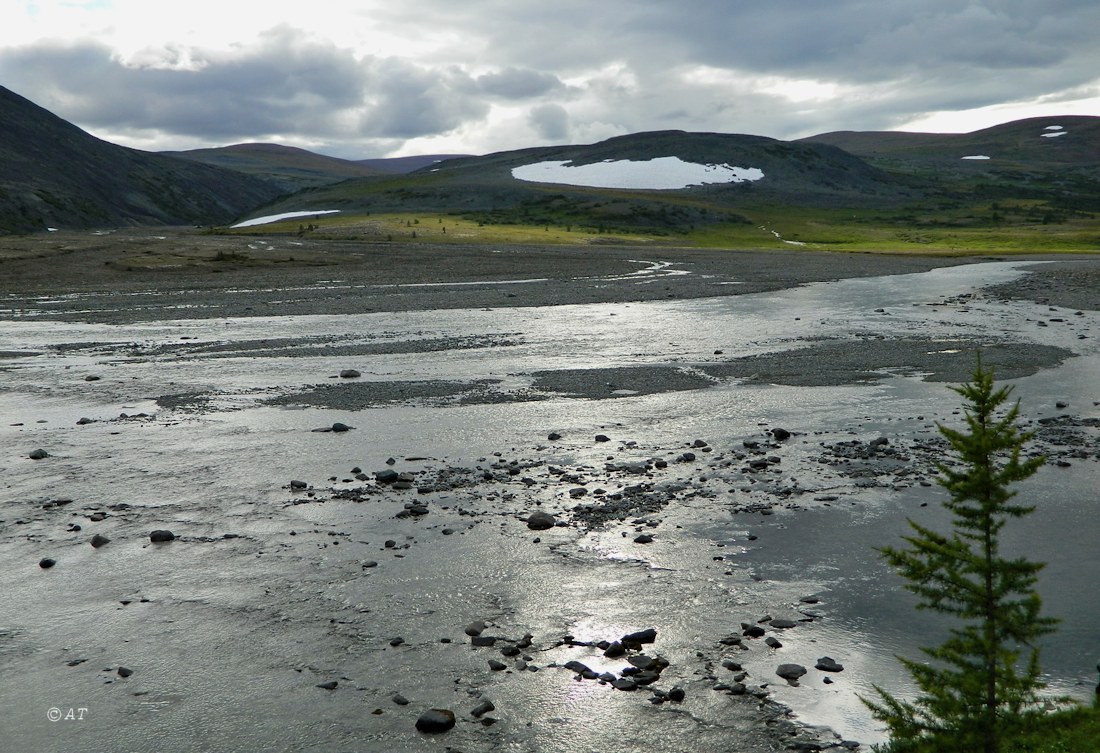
288	167
1072	141
53	174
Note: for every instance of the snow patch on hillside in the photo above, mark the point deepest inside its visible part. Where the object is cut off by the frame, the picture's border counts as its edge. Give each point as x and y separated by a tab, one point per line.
284	216
661	173
1052	134
976	156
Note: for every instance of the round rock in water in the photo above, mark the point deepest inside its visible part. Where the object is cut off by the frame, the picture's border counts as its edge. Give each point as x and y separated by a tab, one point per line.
434	721
827	664
540	521
790	671
39	454
161	536
99	540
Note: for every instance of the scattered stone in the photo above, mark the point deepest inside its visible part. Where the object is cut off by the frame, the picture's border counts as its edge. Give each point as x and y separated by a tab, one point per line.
477	627
369	564
541	520
349	374
483	640
677	694
161	536
649	635
496	665
99	540
46	563
482	708
827	664
330	685
553	436
781	435
773	642
754	631
602	438
790	671
624	683
84	421
124	672
39	454
399	699
783	624
434	721
299	485
91	378
644	538
387	476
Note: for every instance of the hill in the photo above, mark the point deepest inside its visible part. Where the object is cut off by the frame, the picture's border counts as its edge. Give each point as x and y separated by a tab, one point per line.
1049	159
53	174
290	168
402	165
492	188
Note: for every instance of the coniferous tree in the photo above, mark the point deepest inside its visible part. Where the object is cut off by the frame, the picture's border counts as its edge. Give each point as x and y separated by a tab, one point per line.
975	680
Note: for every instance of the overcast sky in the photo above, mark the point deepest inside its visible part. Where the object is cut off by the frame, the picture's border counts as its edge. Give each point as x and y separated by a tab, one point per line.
396	77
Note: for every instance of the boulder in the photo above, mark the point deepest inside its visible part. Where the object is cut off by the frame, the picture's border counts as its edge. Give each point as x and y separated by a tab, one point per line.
827	664
790	671
434	721
540	521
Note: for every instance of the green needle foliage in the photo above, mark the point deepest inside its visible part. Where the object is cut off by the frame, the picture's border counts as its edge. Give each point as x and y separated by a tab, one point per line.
976	682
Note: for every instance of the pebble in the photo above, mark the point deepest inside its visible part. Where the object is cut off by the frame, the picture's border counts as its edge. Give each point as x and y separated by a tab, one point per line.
124	672
330	685
39	454
99	540
160	536
827	664
482	708
434	721
46	563
349	374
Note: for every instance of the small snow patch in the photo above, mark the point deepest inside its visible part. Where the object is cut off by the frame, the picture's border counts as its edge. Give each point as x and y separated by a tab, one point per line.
1053	128
976	156
660	173
1052	134
283	216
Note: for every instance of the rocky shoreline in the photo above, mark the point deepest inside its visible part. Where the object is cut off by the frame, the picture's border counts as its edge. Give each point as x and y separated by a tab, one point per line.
583	587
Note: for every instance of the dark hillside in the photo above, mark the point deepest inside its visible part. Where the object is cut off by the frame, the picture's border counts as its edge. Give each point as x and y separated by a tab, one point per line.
288	167
483	188
53	174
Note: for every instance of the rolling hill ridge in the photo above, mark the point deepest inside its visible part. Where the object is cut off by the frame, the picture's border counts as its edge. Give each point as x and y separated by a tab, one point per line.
53	174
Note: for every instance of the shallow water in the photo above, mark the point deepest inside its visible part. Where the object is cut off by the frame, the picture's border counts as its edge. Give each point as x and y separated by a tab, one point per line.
238	631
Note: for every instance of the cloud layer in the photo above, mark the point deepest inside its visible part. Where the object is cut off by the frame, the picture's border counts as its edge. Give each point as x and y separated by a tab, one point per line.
368	79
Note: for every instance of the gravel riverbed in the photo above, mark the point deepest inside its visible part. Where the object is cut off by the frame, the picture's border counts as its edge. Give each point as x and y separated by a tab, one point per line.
576	499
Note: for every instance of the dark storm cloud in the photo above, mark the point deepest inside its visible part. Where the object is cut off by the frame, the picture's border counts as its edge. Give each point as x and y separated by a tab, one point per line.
282	87
409	101
550	122
518	83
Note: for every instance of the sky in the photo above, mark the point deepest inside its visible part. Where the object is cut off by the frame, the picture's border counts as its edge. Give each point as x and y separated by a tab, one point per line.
383	78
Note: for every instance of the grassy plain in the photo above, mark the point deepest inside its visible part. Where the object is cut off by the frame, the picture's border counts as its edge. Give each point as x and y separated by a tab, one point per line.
978	230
